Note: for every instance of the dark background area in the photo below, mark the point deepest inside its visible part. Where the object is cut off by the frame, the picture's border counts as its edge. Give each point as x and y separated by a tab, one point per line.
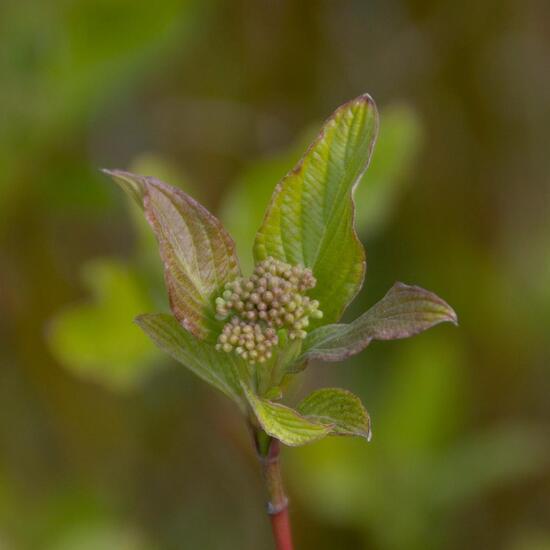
106	444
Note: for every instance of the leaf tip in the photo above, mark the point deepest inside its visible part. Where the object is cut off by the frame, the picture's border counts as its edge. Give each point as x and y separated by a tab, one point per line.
365	98
452	316
446	312
139	319
449	314
116	174
132	184
362	100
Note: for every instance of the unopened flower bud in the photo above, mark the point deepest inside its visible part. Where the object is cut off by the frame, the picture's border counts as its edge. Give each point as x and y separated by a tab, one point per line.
271	298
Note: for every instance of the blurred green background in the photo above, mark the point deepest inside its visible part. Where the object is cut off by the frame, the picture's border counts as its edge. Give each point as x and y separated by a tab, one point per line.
104	443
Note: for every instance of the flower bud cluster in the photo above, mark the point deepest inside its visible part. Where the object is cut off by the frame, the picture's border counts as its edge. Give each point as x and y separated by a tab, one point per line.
272	298
249	340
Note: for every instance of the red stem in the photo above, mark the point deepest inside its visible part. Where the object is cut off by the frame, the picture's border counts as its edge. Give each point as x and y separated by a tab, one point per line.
277	506
280	525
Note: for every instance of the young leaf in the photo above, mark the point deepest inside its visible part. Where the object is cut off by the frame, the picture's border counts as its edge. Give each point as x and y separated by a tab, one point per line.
310	219
198	254
221	370
285	423
340	408
404	311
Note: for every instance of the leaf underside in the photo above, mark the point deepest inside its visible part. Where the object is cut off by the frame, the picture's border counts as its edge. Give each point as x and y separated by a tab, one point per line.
329	411
221	370
340	408
198	254
284	423
310	219
404	311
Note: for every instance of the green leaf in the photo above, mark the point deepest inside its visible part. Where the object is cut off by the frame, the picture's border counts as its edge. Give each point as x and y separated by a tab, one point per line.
340	408
397	146
310	219
222	370
404	311
285	423
198	254
97	339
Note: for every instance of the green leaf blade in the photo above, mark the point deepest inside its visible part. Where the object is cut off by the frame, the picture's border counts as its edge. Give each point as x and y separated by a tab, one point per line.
198	254
340	408
403	312
221	370
310	219
284	423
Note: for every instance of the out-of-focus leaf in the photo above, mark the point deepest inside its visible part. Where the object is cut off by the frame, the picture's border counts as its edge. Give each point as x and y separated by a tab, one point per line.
162	169
243	206
426	386
419	457
74	69
285	423
404	311
397	146
198	253
106	537
530	539
66	61
97	340
340	408
222	370
487	460
309	221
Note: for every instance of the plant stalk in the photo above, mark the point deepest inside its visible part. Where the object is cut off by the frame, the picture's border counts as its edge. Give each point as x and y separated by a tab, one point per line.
277	506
